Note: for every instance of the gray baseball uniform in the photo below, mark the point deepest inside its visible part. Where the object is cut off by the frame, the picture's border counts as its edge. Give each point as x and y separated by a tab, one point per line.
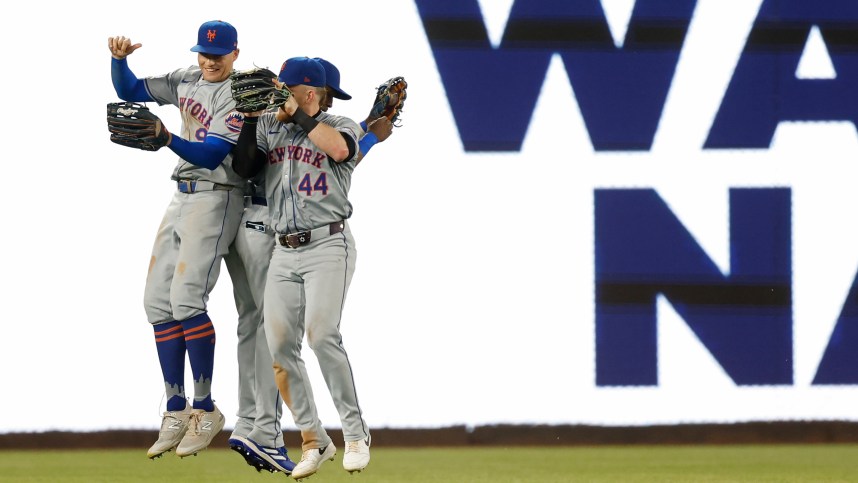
306	287
259	402
201	220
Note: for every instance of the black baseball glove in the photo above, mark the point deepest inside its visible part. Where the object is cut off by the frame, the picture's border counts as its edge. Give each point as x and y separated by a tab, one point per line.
389	99
133	125
254	90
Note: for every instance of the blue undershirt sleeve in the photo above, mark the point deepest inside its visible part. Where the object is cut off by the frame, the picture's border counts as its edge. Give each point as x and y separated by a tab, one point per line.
128	86
367	142
208	154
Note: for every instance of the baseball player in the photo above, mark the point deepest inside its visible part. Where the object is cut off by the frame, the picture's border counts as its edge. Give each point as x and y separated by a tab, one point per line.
199	225
308	157
257	435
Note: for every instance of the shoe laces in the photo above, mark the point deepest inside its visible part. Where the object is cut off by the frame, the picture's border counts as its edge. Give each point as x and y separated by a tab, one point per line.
352	447
194	423
306	455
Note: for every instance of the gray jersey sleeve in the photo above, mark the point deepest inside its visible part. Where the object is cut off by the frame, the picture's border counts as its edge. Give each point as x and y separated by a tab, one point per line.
164	89
229	126
345	126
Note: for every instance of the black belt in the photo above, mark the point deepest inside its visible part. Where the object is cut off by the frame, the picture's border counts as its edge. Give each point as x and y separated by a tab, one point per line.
295	240
192	186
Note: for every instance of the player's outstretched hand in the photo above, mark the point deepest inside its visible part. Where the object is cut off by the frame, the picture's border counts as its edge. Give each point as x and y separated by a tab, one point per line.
121	47
381	127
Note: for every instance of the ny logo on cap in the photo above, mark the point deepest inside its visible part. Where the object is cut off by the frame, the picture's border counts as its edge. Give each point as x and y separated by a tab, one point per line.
211	35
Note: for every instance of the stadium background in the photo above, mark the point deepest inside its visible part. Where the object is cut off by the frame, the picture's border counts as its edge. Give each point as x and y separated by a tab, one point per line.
473	302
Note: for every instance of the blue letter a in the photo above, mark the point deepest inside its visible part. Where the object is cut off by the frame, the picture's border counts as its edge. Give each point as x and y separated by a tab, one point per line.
765	91
839	364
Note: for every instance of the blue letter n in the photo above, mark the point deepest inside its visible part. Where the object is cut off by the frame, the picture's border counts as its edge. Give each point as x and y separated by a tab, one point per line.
744	319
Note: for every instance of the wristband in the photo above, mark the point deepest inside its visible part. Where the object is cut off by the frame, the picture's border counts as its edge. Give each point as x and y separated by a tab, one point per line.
306	122
367	142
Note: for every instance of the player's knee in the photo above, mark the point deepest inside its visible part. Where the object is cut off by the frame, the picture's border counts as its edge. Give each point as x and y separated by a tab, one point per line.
322	338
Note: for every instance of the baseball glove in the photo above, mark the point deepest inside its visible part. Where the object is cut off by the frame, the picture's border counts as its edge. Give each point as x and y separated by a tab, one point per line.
254	90
133	125
389	99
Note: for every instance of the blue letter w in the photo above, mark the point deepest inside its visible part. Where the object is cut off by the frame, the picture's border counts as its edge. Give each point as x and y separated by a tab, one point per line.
492	92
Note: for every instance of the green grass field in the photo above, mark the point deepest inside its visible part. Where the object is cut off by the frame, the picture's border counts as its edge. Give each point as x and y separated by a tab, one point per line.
772	463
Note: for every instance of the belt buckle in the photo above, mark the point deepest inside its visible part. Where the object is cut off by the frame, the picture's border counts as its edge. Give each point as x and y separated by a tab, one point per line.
187	186
295	240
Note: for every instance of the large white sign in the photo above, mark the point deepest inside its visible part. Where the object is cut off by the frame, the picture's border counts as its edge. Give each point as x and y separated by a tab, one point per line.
582	228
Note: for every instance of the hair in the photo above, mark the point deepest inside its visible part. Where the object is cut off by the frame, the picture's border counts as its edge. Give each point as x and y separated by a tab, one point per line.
321	92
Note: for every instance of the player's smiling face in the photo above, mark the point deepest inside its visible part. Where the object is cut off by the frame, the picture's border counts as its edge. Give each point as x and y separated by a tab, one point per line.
216	68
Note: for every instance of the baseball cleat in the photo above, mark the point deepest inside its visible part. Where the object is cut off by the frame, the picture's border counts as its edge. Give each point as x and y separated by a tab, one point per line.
276	457
202	428
240	445
174	425
312	459
356	457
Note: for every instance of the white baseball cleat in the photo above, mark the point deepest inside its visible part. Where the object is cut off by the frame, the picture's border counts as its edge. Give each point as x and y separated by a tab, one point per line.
312	459
356	457
202	428
173	428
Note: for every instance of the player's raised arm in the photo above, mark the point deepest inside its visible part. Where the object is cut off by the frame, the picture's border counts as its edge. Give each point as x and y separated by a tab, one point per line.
377	131
121	47
128	87
378	126
389	101
302	109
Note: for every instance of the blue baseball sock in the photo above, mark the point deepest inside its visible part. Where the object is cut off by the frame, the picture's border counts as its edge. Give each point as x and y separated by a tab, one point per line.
170	342
200	342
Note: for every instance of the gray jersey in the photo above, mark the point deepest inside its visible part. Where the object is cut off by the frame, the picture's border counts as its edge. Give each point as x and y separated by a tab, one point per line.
305	188
207	109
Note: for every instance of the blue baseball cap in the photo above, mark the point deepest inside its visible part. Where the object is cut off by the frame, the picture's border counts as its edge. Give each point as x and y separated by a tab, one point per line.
216	37
332	74
302	70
